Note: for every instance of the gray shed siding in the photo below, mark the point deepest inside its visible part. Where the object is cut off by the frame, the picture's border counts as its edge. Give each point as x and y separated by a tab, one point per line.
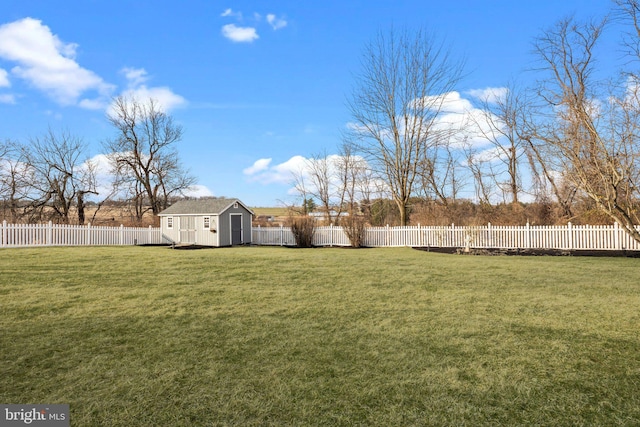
225	230
197	234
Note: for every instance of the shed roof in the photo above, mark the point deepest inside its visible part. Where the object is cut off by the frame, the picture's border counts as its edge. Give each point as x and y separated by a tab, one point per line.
209	206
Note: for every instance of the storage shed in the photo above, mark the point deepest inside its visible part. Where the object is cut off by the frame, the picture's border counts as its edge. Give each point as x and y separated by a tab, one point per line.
207	222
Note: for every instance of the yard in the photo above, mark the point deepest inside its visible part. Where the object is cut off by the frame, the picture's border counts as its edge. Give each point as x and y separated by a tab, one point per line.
247	336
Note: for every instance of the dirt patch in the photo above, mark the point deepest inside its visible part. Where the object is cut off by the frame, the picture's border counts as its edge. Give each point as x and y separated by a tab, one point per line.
190	247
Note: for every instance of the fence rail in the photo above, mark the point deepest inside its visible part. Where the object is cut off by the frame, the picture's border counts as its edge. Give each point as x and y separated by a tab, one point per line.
25	235
565	237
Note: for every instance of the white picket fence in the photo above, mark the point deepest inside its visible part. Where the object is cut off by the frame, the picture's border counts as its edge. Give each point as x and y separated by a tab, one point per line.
565	237
25	235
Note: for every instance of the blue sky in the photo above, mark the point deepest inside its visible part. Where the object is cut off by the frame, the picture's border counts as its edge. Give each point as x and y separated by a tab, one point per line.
257	85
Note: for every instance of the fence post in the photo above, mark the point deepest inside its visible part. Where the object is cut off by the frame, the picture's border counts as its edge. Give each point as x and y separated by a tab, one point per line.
419	236
452	241
527	237
489	235
281	235
150	236
331	235
4	233
49	233
89	234
570	236
616	235
121	234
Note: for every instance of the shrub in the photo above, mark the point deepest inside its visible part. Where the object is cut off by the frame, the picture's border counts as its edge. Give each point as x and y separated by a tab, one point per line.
303	229
354	227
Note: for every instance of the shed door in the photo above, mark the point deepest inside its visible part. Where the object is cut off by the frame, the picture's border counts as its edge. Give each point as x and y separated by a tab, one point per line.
187	229
236	229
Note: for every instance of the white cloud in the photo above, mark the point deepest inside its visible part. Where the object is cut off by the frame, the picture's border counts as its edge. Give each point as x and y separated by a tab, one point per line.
94	104
248	34
4	78
490	95
275	22
165	98
230	12
198	191
258	166
299	169
282	173
135	76
47	63
7	99
104	178
450	102
239	34
457	120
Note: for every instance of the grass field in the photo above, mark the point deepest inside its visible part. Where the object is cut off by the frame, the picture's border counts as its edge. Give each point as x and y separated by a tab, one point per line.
135	336
282	211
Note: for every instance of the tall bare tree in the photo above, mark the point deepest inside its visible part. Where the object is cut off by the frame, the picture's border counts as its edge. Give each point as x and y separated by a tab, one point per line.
395	106
321	170
592	134
144	153
439	177
61	178
498	122
15	178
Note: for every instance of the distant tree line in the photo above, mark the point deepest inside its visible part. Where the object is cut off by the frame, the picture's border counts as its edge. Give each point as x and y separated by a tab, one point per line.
51	178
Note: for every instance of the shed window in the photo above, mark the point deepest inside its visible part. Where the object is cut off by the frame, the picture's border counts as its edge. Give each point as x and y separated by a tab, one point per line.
207	222
235	205
169	222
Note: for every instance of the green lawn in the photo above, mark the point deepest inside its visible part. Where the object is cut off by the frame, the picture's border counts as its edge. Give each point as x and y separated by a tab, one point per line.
248	336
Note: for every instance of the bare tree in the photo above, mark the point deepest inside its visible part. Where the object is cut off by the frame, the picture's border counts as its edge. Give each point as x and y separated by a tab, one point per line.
499	123
628	11
144	153
593	135
396	103
15	179
326	184
60	178
353	176
439	177
479	164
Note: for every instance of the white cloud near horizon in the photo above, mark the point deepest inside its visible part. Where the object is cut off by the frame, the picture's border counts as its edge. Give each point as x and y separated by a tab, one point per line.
240	34
47	63
469	125
198	190
299	170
